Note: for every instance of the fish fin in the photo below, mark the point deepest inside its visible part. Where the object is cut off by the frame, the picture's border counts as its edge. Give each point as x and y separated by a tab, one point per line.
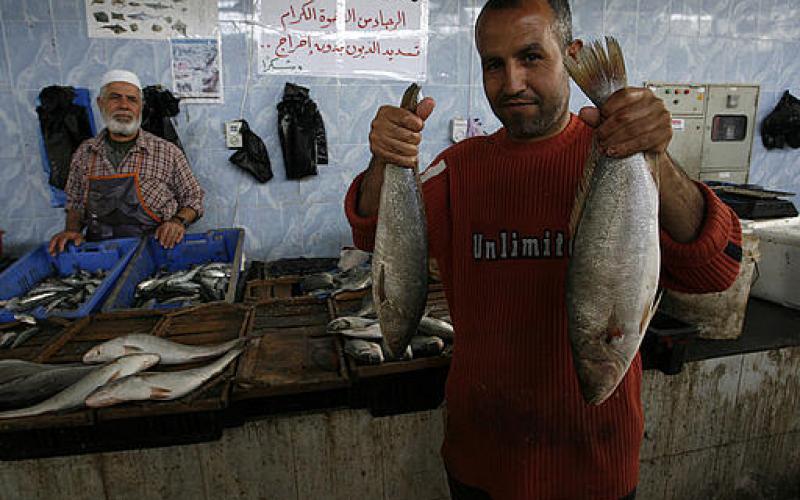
131	349
159	392
598	71
613	330
115	375
381	285
582	193
649	312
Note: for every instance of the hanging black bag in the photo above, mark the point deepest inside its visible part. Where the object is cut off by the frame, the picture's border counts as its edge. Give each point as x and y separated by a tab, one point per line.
782	126
64	126
302	133
159	108
252	156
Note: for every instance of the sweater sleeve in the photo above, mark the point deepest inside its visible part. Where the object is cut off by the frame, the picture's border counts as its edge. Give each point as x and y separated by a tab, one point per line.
711	262
363	227
435	193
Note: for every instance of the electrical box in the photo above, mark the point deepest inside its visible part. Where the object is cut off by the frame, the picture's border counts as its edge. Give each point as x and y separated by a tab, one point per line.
712	127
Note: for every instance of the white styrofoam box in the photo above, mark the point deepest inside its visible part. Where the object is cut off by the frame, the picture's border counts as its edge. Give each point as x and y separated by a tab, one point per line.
778	278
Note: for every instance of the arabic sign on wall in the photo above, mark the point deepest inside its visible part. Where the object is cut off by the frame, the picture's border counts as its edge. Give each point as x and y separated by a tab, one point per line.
346	38
151	19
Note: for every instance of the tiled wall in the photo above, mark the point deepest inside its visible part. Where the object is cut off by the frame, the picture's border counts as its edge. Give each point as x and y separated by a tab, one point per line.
44	43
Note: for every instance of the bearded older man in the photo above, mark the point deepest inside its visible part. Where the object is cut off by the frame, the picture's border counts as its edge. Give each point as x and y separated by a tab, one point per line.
126	182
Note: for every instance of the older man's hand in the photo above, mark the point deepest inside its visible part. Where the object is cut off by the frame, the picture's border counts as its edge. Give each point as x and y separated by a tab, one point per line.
633	120
60	240
170	233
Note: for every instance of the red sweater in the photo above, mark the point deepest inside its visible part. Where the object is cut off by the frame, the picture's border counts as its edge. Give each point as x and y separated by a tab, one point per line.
517	426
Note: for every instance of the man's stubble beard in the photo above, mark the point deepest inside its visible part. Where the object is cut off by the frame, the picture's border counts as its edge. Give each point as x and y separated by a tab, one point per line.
550	112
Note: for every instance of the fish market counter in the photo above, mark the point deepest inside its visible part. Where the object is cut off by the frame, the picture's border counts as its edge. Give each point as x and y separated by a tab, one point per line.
296	418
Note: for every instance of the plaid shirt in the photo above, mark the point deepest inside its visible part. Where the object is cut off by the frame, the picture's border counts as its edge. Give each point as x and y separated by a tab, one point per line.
165	178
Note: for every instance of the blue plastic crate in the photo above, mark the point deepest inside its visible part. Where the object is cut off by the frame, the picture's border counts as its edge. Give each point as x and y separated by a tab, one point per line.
218	245
110	255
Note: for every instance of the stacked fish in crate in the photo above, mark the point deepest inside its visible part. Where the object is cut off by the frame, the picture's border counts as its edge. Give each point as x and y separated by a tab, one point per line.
71	284
202	268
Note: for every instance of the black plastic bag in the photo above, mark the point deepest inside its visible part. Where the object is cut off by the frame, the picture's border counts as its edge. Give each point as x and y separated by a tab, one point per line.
64	126
782	126
159	108
253	155
302	133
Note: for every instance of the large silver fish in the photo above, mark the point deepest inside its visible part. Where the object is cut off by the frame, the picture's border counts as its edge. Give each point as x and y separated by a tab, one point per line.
171	353
75	395
400	256
24	384
159	386
613	271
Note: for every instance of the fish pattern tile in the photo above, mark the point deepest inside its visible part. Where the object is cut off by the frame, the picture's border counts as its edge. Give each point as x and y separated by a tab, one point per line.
45	43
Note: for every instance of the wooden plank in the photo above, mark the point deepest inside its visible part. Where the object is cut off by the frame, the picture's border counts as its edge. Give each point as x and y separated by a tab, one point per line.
312	456
57	343
355	451
691	475
290	363
48	332
68	477
251	461
761	468
412	465
768	401
174	473
706	391
652	481
395	367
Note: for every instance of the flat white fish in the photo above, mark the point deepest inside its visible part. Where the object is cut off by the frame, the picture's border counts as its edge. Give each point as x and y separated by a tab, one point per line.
75	395
613	271
159	386
171	353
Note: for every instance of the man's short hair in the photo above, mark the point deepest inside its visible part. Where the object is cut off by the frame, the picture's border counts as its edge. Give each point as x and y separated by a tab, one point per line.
562	15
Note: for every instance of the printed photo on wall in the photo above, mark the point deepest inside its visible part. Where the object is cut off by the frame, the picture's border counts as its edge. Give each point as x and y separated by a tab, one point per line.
197	70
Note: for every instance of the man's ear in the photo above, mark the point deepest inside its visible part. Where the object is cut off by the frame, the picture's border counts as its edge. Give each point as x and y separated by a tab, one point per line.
574	47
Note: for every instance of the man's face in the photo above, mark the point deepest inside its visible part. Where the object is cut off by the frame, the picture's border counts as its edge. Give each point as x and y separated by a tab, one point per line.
121	107
523	72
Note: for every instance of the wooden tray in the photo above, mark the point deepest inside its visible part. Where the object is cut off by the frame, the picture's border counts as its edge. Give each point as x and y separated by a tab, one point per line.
272	288
347	303
204	324
49	329
293	352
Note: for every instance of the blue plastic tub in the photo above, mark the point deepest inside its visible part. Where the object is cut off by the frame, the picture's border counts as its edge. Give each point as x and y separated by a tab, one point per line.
110	255
218	245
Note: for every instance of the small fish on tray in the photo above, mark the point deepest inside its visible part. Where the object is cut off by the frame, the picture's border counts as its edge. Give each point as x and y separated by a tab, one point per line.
202	283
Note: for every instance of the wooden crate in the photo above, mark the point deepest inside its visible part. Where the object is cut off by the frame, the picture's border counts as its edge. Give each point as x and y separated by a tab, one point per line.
348	303
293	353
68	346
204	324
48	330
87	332
272	288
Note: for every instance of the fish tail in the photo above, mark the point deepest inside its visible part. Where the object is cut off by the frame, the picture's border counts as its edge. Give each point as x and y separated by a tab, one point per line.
597	71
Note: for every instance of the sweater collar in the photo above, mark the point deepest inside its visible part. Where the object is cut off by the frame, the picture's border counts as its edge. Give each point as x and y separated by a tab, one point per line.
554	143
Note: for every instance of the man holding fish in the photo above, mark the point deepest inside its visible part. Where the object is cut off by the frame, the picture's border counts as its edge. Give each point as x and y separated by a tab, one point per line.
126	182
549	273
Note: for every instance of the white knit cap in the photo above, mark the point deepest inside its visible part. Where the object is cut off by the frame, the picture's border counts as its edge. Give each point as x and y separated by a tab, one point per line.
120	75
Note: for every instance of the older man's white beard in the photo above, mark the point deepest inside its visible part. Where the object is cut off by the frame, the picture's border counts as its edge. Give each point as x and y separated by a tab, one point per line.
125	129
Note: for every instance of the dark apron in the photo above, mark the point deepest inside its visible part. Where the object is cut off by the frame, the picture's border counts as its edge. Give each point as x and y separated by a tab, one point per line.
115	207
